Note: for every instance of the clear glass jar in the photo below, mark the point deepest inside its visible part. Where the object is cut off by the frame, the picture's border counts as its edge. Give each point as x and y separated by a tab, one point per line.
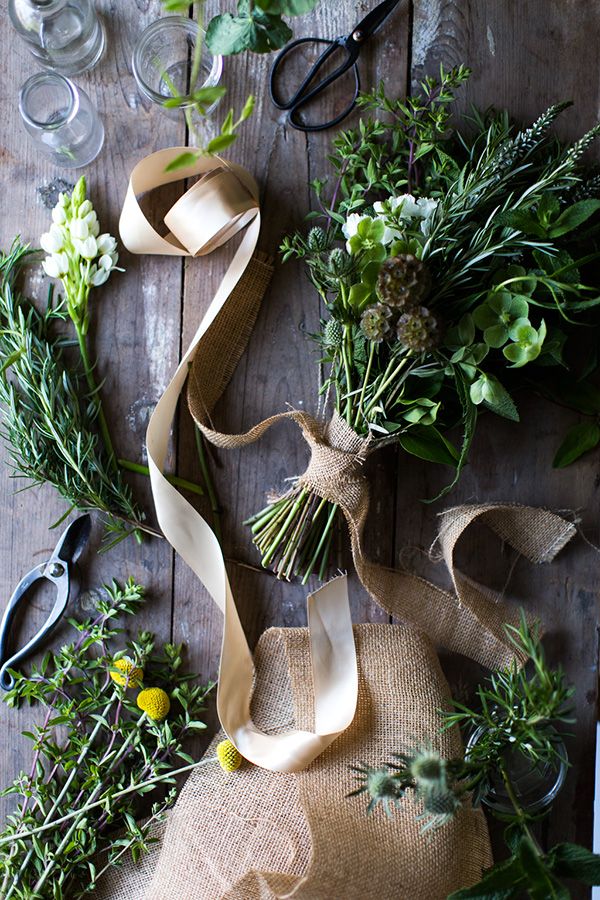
535	787
61	120
171	60
63	35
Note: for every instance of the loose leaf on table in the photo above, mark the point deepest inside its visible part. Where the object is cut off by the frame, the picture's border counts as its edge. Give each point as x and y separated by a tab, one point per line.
579	440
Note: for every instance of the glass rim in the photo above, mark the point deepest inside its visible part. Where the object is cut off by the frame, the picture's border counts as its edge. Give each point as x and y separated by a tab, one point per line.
44	77
192	27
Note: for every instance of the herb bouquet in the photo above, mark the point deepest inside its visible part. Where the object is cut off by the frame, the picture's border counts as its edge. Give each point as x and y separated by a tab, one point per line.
448	264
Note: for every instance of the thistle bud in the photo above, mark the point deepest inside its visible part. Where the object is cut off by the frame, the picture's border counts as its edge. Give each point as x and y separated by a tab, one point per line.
317	239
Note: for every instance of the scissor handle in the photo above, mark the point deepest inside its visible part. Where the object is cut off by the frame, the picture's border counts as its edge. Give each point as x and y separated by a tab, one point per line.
61	580
302	95
296	123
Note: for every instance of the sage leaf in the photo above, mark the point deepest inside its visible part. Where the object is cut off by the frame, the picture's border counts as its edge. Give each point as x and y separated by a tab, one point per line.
426	442
573	861
502	882
574	216
579	440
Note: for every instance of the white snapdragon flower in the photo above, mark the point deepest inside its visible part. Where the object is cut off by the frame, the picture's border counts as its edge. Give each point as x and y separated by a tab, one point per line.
56	265
87	248
53	240
106	243
59	216
79	229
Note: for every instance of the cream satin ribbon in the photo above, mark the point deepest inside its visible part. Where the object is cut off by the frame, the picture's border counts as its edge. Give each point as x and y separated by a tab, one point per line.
220	204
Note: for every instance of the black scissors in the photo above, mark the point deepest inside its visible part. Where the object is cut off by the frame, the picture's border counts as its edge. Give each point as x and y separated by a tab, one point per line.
58	570
351	45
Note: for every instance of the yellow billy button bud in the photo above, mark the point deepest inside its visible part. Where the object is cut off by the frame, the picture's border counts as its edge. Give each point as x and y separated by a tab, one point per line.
124	672
229	756
155	703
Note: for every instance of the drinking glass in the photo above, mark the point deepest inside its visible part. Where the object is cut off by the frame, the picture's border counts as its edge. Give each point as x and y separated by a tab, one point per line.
63	35
171	60
61	120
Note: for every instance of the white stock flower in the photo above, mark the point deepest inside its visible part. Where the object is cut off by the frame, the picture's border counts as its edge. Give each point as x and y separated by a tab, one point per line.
56	265
406	207
53	241
87	248
79	229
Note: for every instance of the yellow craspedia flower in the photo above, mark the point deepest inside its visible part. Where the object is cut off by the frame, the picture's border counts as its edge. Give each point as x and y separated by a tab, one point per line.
128	673
155	702
229	756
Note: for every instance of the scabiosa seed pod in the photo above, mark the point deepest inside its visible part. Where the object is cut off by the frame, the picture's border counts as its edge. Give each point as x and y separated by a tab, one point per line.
418	329
403	281
334	334
375	322
317	239
340	262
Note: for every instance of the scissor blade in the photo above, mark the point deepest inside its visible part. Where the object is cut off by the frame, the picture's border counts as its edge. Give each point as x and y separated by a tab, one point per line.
73	539
375	19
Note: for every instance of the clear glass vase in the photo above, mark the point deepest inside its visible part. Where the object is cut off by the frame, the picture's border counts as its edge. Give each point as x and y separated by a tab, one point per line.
535	786
61	120
63	35
170	61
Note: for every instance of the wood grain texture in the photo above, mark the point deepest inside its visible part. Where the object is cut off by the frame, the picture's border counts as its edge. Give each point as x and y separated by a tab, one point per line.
525	55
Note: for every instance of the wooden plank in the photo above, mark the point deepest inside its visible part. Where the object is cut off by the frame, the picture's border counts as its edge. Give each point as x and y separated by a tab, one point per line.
136	323
525	58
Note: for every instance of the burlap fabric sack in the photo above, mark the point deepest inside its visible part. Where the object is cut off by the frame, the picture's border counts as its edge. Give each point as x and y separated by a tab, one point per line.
257	835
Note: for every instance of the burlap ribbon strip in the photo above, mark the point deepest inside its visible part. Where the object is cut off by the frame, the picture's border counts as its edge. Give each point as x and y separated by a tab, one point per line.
222	203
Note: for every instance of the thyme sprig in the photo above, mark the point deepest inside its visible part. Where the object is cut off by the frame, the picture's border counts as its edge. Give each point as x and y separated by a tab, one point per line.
95	754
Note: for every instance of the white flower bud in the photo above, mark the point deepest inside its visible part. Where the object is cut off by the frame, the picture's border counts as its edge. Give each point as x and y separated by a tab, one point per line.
59	215
106	262
99	277
79	229
87	248
53	240
106	243
85	208
56	265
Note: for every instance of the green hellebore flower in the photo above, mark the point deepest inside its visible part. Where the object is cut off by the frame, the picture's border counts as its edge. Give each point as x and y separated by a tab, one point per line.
368	237
527	344
498	314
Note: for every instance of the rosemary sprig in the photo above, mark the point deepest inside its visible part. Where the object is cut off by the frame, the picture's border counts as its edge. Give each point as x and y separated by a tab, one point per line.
49	417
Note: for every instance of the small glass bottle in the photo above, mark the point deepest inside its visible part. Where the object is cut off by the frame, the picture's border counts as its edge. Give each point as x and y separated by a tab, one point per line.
61	120
63	35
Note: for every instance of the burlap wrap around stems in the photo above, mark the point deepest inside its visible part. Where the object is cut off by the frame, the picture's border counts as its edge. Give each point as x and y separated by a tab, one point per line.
219	205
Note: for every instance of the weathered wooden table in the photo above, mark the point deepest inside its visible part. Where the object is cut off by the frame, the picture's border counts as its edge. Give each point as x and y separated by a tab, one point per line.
525	56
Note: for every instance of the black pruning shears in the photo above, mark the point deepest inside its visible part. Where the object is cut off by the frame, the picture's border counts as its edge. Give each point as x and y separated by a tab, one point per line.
312	85
58	570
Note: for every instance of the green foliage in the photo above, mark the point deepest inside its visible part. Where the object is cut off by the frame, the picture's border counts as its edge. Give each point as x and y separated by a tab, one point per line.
258	26
518	712
456	261
96	757
49	417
